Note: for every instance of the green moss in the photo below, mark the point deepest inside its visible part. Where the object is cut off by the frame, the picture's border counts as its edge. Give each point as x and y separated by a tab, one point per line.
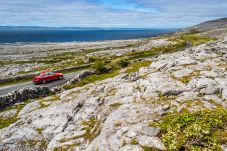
202	130
134	67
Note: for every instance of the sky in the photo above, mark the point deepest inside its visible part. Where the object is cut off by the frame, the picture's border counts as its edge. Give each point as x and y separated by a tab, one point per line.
110	13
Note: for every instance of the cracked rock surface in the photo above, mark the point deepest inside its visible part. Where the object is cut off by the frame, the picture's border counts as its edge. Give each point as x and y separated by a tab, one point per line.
114	113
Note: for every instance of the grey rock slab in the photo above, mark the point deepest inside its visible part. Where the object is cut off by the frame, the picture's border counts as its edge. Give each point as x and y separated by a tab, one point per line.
151	142
150	131
29	108
204	85
183	72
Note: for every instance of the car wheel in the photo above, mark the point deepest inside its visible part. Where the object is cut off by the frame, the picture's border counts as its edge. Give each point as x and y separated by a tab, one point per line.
61	77
44	81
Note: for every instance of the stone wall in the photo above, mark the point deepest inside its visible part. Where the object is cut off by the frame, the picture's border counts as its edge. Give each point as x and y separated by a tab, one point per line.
10	99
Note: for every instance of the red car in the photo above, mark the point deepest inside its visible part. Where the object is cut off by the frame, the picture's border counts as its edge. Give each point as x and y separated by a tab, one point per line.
45	77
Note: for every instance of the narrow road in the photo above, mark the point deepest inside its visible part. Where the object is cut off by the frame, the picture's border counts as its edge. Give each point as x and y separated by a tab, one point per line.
16	87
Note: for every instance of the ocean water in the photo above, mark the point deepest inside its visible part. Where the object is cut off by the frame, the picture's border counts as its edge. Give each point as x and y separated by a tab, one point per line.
11	35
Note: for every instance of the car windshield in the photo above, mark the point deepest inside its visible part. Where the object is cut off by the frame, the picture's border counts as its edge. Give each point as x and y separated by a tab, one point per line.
50	73
42	74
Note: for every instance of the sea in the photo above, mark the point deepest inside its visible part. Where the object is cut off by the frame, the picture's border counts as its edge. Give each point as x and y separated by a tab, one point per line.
35	35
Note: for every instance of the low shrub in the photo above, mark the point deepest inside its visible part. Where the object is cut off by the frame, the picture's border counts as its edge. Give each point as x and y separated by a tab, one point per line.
200	130
100	67
119	63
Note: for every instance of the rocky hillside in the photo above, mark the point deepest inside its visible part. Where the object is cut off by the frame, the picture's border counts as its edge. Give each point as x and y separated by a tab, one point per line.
178	102
165	93
214	28
210	25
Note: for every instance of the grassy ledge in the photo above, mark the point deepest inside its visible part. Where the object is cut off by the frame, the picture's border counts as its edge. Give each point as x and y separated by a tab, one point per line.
5	122
200	130
134	67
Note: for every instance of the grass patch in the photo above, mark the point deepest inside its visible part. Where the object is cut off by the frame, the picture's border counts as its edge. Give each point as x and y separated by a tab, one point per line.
32	144
134	142
118	124
39	130
188	78
200	130
115	105
92	128
67	147
94	78
91	79
45	103
53	98
146	148
5	122
180	44
15	82
134	67
195	39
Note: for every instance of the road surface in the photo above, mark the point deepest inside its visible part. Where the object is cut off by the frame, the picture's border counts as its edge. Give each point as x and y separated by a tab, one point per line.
15	87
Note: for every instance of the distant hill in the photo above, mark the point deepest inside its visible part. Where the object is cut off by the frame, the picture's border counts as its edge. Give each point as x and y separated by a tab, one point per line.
213	28
213	24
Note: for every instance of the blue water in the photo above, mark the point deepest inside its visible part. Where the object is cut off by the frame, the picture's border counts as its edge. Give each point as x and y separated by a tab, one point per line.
70	35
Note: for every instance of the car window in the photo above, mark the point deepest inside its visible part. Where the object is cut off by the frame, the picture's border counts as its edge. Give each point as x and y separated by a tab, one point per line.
50	73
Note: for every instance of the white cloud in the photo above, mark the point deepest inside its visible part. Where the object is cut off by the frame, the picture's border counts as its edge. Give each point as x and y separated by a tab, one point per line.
168	13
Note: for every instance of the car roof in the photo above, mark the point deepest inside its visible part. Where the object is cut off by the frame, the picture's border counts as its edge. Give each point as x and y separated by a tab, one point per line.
45	72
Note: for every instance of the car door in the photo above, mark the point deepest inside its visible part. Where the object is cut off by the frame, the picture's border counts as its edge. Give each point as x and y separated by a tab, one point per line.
51	76
45	77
